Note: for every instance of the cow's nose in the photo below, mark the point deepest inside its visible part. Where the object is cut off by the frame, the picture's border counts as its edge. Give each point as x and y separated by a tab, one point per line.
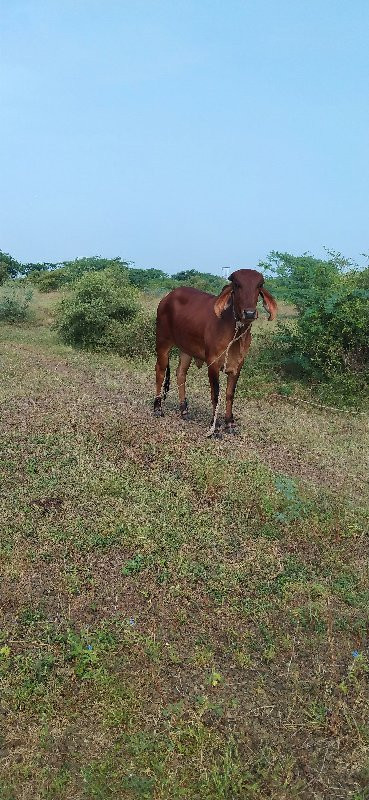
250	314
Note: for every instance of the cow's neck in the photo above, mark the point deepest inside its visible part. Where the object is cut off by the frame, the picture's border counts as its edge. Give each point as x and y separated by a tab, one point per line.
235	327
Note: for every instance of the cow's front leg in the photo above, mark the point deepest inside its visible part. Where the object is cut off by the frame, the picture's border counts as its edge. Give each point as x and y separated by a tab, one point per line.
213	373
231	388
184	363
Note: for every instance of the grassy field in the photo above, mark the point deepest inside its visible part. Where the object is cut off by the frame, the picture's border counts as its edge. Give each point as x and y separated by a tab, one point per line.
180	618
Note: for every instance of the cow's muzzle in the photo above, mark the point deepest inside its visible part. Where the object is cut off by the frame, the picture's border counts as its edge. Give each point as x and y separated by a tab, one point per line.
250	314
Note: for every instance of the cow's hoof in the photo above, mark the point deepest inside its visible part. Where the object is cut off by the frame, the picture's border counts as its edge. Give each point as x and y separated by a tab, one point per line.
158	413
231	429
216	433
183	407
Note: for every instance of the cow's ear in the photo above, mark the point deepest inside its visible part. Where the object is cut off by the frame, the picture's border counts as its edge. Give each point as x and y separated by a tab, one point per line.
223	300
269	304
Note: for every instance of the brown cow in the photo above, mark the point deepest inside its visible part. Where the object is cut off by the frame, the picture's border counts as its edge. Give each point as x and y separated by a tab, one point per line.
202	326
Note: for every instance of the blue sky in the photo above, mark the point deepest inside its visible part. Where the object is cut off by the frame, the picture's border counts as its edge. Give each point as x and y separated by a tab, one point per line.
183	133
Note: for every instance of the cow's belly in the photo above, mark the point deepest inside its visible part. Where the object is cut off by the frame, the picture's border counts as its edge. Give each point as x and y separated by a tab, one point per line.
191	347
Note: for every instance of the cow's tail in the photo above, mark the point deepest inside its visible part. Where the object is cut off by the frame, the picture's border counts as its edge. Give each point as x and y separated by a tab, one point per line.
166	384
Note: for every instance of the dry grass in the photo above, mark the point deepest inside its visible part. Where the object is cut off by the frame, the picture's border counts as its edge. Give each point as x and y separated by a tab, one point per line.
180	617
43	306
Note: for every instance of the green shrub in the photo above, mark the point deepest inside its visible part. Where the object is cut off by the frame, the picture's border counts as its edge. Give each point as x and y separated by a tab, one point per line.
150	280
50	277
15	298
302	280
3	272
80	266
331	336
344	390
136	337
327	344
204	281
49	281
104	313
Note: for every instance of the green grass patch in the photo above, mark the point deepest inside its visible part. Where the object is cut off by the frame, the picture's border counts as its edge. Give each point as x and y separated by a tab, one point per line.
180	618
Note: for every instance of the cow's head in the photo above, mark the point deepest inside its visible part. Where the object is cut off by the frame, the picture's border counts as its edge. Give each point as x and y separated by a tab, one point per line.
243	290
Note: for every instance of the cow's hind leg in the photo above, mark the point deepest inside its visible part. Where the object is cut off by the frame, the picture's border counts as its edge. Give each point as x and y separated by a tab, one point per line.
162	371
182	369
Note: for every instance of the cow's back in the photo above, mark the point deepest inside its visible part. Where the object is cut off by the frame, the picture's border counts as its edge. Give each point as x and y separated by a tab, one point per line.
184	317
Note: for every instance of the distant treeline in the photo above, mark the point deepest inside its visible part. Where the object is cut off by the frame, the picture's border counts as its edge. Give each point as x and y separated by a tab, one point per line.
49	277
291	278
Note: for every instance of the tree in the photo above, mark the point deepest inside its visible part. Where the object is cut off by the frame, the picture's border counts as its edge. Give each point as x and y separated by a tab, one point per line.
303	280
200	280
148	278
9	267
